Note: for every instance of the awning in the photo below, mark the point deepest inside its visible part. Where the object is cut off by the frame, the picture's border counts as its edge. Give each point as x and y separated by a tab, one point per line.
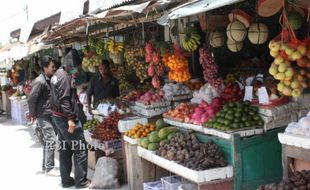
96	6
138	8
37	47
198	6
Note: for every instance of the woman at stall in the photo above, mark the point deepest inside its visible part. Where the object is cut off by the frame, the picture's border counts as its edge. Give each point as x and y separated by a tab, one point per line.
102	86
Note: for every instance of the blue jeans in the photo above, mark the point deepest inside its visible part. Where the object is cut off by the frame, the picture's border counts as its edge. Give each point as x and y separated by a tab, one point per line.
48	130
71	144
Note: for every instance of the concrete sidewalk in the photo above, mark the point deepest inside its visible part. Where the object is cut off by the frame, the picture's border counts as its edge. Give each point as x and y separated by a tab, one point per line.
21	160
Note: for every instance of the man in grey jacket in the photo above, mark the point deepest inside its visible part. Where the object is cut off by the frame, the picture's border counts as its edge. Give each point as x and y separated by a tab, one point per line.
40	110
68	116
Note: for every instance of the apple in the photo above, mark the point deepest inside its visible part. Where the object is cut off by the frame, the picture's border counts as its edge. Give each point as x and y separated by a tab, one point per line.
302	50
282	67
289	72
296	93
296	55
280	86
295	84
274	46
287	91
289	51
283	47
274	53
280	76
273	70
288	78
278	60
287	83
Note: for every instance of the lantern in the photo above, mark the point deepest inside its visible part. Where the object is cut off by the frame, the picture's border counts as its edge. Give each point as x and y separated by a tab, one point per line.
258	33
236	31
216	39
234	46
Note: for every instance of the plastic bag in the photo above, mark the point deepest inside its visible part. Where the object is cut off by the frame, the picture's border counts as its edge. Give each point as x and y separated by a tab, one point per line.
105	175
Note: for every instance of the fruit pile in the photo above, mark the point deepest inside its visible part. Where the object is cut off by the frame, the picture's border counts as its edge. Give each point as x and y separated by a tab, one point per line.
107	130
229	78
151	142
140	131
204	112
300	180
124	85
90	62
156	68
181	113
189	152
151	97
194	85
90	124
135	59
236	115
178	65
191	39
132	96
98	46
206	59
115	47
291	82
231	93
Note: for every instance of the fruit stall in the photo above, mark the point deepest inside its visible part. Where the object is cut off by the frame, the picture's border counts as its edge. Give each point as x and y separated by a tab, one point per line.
216	100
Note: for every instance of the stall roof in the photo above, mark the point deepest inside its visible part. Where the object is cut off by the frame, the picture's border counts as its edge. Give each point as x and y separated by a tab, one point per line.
96	6
198	6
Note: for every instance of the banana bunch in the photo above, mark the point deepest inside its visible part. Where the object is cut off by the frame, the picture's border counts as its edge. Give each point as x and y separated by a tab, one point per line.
115	47
191	40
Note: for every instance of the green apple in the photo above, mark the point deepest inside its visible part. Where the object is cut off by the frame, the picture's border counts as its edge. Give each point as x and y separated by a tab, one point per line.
282	67
296	55
278	60
274	53
273	70
280	76
283	47
296	93
287	82
287	91
280	86
289	51
274	46
302	50
295	84
289	72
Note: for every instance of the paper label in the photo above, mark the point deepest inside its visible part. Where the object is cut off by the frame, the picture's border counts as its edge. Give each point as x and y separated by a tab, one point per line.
248	95
263	96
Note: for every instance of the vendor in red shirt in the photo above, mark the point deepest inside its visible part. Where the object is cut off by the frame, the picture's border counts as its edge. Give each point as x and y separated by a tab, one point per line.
102	86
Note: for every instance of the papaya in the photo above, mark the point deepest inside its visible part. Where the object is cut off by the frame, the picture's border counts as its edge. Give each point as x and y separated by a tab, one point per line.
153	137
145	142
164	132
153	146
160	124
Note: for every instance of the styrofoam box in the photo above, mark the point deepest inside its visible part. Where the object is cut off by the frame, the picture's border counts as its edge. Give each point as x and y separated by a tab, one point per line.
154	105
294	140
195	176
130	122
152	112
129	140
171	182
154	185
279	110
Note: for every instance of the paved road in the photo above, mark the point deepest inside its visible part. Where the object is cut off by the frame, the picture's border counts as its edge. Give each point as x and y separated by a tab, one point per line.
20	160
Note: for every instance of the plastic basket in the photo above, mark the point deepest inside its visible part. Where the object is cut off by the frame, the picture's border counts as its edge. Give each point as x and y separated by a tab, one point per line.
171	182
155	185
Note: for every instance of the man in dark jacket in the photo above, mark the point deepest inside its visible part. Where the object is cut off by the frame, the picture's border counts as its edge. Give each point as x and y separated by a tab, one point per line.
40	110
68	116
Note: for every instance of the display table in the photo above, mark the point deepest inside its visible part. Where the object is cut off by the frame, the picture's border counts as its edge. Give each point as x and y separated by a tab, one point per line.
293	147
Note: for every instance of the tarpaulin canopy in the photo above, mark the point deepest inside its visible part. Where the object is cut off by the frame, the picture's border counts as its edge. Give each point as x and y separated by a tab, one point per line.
198	6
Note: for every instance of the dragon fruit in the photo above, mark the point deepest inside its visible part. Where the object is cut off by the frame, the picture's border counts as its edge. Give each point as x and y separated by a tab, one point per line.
156	58
151	70
148	48
156	82
148	58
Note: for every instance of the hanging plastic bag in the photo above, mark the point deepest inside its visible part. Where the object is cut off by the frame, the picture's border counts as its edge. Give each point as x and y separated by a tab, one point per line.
105	175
